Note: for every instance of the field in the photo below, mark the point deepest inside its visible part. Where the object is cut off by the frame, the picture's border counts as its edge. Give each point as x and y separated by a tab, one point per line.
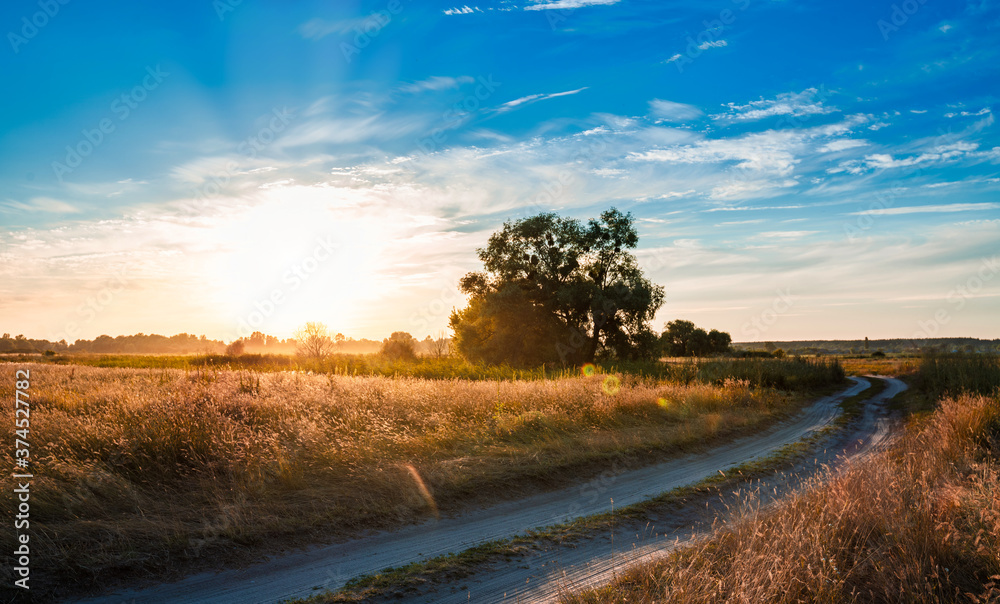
792	374
917	523
142	472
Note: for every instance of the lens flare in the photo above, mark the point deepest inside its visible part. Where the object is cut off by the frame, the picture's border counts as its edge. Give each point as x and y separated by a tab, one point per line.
589	369
662	402
424	491
611	385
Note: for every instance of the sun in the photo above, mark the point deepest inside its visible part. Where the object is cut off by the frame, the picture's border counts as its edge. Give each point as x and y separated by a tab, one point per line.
272	268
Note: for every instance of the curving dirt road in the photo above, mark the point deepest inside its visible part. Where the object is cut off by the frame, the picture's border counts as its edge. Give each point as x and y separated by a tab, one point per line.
300	574
540	577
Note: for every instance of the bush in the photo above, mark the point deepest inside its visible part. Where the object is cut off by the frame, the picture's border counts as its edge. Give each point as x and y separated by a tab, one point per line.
400	346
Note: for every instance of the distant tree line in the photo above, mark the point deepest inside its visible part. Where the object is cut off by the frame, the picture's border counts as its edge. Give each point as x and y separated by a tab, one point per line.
184	343
869	347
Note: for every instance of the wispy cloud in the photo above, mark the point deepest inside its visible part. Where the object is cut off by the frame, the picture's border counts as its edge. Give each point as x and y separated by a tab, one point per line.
434	83
463	10
786	234
534	98
712	44
843	144
673	112
795	104
41	204
934	209
568	4
938	153
983	111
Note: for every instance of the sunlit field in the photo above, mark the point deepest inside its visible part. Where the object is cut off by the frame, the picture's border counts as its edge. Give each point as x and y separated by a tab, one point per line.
877	366
146	469
149	470
918	523
788	373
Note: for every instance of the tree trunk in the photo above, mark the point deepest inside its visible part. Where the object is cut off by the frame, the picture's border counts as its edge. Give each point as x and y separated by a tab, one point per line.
591	351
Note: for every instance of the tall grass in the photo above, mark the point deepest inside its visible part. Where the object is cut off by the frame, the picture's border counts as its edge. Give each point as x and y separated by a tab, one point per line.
788	374
142	469
957	373
919	523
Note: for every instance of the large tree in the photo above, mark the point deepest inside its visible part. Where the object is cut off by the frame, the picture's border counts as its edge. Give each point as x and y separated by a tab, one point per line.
556	289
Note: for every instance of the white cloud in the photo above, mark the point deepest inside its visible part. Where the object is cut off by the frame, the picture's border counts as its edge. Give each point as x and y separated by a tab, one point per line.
676	194
762	152
983	111
807	102
568	4
754	208
673	112
533	98
934	209
843	144
673	58
883	161
42	204
434	83
712	44
464	10
787	234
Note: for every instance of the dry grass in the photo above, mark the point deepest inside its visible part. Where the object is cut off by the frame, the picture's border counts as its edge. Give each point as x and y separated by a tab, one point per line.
887	366
143	471
919	523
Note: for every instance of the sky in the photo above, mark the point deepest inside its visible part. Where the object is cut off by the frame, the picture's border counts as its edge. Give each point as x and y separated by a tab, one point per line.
797	170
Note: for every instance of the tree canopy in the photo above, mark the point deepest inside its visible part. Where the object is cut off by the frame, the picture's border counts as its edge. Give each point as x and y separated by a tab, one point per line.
555	289
683	339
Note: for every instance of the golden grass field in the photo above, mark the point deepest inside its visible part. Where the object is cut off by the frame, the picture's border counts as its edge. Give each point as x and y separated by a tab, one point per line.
918	523
142	471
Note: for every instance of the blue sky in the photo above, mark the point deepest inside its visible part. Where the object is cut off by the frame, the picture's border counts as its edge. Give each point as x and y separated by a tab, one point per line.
798	169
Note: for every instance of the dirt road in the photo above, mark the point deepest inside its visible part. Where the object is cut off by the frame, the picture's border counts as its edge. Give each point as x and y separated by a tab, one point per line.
539	578
302	573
